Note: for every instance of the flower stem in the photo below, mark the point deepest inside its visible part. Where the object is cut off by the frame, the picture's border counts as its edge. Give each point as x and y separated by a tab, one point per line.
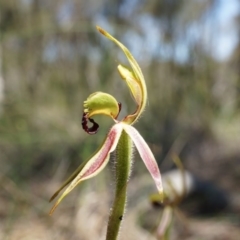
123	170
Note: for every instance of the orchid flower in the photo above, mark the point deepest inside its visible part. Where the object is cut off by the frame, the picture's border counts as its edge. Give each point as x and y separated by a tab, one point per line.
121	138
174	193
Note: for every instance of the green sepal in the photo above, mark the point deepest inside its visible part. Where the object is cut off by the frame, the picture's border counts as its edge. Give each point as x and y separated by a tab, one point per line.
138	78
132	83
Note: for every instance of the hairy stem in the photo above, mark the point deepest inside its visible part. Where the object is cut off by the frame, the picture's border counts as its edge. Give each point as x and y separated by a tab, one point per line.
123	169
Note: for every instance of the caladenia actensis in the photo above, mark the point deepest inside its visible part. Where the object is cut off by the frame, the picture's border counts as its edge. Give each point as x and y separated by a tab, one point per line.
121	138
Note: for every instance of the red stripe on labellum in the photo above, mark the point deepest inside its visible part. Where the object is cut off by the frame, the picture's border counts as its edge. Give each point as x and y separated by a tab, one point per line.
119	107
90	130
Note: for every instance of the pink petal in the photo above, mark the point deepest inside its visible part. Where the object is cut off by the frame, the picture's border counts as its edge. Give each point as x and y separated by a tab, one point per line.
96	163
146	155
100	159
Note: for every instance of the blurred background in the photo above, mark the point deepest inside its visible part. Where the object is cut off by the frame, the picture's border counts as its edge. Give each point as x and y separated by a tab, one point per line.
52	58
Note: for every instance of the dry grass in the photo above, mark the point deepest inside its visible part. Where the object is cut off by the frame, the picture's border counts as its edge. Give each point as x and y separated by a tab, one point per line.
83	215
